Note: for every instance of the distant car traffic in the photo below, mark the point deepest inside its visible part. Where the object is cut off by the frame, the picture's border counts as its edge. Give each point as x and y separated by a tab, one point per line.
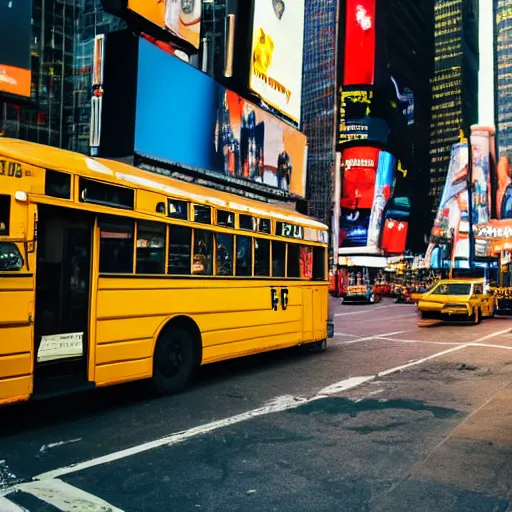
456	299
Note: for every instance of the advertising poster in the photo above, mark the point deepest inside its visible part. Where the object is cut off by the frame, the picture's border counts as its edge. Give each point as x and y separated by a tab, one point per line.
277	47
396	225
359	67
180	17
504	189
451	225
15	40
481	183
368	182
211	128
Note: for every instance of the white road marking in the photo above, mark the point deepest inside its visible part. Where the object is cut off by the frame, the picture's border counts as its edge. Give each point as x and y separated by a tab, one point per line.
344	385
347	335
450	343
368	338
48	487
48	446
65	497
8	506
369	310
277	405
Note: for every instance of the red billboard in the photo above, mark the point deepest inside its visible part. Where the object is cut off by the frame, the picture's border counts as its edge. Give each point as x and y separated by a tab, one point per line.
359	68
359	170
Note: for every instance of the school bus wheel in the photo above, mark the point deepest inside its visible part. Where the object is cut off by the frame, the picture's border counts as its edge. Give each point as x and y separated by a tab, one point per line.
174	359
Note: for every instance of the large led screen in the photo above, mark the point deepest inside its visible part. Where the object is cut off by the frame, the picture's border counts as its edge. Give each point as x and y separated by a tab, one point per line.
368	179
180	17
450	233
359	63
183	116
277	47
15	39
481	179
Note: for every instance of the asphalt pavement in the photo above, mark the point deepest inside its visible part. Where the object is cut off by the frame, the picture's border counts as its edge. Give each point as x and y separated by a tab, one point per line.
392	417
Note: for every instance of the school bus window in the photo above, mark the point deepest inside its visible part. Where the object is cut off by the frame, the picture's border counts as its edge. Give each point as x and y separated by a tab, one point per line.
225	218
224	265
177	209
293	261
203	214
306	262
180	251
57	184
5	212
243	256
106	195
10	257
203	253
278	259
319	263
261	257
247	222
264	226
150	248
116	246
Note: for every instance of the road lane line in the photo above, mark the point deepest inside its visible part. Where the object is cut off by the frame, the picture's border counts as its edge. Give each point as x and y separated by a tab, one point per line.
276	405
344	385
8	506
279	404
347	335
367	338
492	335
65	497
451	343
362	312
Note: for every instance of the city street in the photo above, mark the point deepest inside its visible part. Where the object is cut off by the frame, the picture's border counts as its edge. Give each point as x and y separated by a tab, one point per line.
391	417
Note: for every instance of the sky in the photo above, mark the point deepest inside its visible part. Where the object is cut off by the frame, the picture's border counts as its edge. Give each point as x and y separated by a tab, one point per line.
486	72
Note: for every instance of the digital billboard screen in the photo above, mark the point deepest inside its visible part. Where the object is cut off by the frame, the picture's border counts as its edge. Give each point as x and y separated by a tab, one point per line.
359	63
15	39
368	180
184	117
277	47
451	225
180	17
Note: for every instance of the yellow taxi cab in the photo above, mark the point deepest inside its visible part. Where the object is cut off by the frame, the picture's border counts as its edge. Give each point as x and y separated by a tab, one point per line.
456	299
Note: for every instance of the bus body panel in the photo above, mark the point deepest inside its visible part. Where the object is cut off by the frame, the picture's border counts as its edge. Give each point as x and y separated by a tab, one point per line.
16	336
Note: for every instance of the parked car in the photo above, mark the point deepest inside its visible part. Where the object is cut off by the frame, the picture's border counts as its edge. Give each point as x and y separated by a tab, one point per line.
456	299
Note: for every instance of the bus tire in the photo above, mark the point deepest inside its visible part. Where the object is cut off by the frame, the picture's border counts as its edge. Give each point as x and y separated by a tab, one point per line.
317	346
174	360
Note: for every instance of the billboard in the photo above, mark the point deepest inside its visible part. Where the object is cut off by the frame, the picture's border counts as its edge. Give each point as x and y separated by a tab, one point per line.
277	47
359	63
15	40
368	184
180	17
184	117
450	233
481	178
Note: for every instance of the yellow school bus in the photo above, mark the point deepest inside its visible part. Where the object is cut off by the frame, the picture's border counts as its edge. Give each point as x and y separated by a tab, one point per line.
109	274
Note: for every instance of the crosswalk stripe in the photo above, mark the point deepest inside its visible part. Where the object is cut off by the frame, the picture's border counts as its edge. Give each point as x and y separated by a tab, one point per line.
8	506
64	496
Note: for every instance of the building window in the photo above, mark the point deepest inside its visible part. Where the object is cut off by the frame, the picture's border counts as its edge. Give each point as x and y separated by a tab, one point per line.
225	218
202	214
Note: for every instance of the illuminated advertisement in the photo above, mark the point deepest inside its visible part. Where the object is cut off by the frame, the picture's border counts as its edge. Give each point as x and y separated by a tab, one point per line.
359	67
15	39
504	189
481	179
180	17
368	183
396	225
355	122
211	128
451	225
277	47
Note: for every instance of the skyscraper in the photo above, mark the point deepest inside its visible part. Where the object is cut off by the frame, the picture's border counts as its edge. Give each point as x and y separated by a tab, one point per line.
454	86
503	75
